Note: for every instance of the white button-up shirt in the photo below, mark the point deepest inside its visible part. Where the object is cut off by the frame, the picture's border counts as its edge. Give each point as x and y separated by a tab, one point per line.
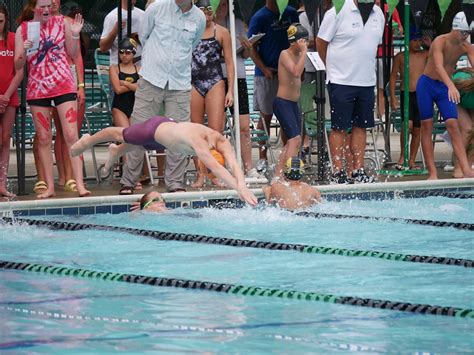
168	36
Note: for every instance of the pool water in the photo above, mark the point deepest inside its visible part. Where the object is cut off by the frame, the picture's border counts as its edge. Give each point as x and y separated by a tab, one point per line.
45	313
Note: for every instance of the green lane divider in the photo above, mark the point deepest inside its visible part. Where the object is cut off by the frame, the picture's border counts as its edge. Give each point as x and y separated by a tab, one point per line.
423	222
239	289
246	243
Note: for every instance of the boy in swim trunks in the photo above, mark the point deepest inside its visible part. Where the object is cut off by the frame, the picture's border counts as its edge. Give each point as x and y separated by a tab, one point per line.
290	193
185	138
290	68
436	86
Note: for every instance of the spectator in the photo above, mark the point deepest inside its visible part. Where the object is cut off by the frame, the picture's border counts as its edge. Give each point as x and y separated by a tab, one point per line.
285	105
171	29
244	110
435	86
418	58
351	80
380	56
50	79
9	81
208	93
291	193
124	78
265	55
464	81
108	39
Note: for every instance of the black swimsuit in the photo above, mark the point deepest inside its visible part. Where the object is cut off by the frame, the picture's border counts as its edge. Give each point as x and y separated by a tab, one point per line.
124	102
206	69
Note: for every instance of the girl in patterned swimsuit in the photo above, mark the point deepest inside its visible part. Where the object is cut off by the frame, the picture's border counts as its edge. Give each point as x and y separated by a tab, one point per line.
208	94
50	79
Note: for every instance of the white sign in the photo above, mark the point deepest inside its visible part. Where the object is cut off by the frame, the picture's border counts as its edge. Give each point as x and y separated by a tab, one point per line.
316	61
34	36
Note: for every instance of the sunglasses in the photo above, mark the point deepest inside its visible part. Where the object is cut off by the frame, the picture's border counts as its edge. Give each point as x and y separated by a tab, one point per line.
207	9
127	51
152	201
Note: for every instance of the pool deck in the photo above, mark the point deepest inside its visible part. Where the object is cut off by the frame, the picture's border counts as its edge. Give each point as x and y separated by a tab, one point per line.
442	154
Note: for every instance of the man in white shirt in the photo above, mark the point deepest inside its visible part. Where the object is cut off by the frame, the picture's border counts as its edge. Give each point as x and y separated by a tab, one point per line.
109	38
348	46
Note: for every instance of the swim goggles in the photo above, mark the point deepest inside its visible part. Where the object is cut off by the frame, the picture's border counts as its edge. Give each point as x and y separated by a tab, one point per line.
153	200
127	51
207	9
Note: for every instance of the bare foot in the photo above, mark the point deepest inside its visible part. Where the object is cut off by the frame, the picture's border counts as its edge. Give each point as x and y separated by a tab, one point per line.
47	194
199	181
469	174
6	193
432	177
83	192
216	182
112	158
81	145
457	173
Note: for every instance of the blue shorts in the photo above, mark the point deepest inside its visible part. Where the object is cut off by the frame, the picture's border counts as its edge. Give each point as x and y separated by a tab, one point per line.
429	91
289	115
351	106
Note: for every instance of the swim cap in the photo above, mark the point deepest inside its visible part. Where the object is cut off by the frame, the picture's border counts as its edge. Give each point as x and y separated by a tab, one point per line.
293	168
202	3
219	158
297	31
460	22
128	43
415	34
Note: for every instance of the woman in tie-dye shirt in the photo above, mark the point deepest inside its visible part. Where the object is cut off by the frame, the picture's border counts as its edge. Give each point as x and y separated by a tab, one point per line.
50	80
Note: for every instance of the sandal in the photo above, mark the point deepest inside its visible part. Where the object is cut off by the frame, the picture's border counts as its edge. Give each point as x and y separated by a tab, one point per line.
40	187
70	186
126	190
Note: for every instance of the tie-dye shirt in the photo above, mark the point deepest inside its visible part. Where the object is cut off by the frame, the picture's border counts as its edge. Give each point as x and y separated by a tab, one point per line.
49	74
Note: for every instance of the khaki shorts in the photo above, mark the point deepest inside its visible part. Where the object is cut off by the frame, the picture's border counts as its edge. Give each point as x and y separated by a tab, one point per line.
265	91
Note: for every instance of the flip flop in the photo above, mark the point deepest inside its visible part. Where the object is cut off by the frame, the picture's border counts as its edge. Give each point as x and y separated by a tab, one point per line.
70	186
126	190
40	187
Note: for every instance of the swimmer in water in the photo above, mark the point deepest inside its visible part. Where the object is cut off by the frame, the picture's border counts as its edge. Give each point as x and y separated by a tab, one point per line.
290	193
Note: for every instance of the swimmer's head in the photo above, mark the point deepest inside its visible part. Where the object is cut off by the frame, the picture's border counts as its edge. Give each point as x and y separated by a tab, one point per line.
294	168
128	45
219	158
460	22
297	31
205	6
153	201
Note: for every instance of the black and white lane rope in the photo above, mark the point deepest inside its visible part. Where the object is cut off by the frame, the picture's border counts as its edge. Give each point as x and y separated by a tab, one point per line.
240	289
246	243
423	222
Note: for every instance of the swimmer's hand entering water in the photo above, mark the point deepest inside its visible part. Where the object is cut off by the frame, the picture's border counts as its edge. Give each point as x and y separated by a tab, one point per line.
246	195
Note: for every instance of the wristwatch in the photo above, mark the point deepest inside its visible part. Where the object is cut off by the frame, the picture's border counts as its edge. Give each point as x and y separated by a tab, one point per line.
81	85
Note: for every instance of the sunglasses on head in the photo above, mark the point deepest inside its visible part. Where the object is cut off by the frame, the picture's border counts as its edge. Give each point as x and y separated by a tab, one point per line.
127	51
154	200
207	9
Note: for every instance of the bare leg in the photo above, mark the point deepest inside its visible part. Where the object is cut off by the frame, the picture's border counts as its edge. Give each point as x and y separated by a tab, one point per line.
245	143
197	116
260	126
336	143
289	150
6	124
42	121
428	149
115	152
358	138
414	146
465	126
458	147
108	134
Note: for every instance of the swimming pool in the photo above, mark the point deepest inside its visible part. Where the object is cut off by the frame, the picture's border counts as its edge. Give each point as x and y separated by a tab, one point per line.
45	313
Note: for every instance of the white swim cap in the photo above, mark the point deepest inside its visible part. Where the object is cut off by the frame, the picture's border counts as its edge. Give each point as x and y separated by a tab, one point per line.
460	22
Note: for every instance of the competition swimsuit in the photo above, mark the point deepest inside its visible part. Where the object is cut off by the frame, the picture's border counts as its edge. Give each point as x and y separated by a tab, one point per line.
124	102
144	133
206	70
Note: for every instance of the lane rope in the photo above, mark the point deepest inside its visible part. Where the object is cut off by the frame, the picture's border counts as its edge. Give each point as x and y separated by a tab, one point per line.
232	331
240	289
423	222
428	193
246	243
